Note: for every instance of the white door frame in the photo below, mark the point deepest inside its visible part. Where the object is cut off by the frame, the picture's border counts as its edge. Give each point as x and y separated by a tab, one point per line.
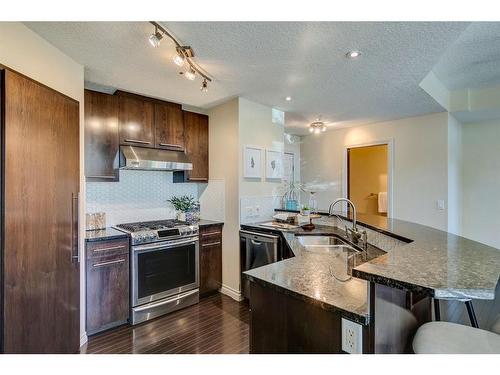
390	171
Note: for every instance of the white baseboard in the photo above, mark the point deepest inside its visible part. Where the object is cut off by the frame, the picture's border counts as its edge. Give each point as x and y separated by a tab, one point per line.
233	293
83	339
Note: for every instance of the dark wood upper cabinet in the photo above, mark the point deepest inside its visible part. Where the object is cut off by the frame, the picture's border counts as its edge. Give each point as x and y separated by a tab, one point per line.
169	126
101	136
196	137
136	121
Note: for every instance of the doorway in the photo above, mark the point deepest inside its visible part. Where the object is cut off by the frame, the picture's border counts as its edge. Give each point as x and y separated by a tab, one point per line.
368	178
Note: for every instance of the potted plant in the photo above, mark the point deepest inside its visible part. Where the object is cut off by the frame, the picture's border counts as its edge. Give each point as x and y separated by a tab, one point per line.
306	211
188	208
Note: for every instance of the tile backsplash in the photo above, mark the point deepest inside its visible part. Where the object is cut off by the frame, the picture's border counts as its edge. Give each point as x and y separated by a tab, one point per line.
138	196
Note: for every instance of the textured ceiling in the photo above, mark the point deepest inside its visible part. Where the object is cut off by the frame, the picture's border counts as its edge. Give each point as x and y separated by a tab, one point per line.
473	60
265	62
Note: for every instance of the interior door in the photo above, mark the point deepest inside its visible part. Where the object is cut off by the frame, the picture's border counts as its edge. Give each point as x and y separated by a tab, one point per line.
40	244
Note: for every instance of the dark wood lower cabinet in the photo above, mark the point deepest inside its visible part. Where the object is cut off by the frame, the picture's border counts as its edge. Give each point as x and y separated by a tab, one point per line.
283	324
210	259
107	284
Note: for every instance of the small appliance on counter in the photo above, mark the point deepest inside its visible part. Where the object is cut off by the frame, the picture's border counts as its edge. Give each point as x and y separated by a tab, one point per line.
164	267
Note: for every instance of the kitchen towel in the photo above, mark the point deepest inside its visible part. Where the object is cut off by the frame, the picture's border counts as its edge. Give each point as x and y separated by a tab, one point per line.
382	202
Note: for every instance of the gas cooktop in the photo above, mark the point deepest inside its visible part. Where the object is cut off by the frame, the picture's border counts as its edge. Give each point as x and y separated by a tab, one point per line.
158	230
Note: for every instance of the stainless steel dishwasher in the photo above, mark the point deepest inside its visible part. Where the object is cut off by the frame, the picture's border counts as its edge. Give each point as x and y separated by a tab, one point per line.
256	250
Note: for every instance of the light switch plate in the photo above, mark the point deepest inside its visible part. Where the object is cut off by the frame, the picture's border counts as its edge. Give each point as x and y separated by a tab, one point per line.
352	337
440	204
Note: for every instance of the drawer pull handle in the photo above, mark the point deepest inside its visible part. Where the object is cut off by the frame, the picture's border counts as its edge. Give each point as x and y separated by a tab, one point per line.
102	264
197	178
109	248
210	234
107	177
170	145
137	141
210	244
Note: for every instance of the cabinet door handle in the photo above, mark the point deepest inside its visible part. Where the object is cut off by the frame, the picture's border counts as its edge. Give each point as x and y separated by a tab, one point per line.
108	177
210	244
108	248
170	145
75	249
137	141
102	264
209	234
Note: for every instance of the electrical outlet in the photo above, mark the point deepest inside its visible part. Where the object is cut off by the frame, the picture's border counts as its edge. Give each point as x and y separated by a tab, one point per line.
257	211
352	337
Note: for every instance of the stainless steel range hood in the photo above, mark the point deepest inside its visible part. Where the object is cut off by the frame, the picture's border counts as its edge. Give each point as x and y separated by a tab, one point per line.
150	159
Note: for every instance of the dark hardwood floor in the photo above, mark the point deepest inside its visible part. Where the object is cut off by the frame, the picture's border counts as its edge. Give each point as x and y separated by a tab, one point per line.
218	324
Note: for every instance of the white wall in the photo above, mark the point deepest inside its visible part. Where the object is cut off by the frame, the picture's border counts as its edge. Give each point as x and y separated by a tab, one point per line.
223	169
481	182
26	52
454	175
292	145
257	129
420	164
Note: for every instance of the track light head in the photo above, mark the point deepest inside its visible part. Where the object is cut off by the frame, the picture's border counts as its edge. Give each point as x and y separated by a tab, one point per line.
155	38
178	60
204	86
190	74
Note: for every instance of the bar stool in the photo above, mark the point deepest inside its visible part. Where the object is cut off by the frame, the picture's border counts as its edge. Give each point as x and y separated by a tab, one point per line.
452	338
468	305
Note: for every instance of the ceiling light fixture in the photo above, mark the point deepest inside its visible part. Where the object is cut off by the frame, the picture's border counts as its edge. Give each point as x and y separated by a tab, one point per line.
190	74
179	60
204	86
288	98
317	126
353	54
183	57
155	38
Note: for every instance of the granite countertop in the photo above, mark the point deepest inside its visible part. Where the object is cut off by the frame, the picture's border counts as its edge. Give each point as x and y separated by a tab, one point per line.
104	235
443	264
435	262
309	275
203	223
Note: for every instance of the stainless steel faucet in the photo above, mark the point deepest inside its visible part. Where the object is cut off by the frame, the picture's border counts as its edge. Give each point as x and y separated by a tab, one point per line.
353	233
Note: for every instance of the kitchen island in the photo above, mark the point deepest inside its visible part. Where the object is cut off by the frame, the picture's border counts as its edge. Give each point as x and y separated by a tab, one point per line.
389	294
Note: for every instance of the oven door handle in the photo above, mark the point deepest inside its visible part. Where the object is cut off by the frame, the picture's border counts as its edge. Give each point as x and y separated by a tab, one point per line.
164	246
164	302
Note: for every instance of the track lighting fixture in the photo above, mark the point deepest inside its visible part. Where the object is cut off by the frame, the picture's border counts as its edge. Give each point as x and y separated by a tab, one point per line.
179	60
155	38
204	86
190	74
183	57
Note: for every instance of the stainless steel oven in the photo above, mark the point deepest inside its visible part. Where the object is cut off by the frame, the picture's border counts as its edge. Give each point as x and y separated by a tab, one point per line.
165	277
164	267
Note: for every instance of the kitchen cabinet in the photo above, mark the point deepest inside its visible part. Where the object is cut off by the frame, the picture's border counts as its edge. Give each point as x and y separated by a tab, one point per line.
169	126
196	138
39	257
101	136
107	284
136	116
210	259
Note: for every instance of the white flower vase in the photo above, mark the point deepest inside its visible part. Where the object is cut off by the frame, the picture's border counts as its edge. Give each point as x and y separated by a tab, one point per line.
181	216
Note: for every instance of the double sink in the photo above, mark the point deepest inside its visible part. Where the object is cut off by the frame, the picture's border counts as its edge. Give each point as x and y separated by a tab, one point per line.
325	244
